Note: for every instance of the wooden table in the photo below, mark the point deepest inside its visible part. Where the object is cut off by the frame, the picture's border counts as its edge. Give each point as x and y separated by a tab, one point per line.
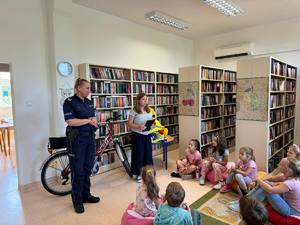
5	129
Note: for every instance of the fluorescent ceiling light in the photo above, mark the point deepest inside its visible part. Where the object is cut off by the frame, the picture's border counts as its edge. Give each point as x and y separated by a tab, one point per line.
225	6
167	20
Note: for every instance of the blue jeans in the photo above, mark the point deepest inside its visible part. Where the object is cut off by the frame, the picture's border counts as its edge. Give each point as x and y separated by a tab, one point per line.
275	200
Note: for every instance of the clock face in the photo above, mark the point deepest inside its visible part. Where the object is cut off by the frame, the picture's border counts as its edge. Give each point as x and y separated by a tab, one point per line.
64	68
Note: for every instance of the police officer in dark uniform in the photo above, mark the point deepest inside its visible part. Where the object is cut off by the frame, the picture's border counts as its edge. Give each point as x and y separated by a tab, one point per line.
79	113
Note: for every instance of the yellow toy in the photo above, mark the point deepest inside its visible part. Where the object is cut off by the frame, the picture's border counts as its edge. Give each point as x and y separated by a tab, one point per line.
159	131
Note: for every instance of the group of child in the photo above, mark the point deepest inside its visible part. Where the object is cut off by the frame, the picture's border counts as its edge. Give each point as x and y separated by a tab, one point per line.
171	209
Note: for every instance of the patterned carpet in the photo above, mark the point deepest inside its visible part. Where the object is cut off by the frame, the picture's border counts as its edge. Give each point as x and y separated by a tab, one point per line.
214	211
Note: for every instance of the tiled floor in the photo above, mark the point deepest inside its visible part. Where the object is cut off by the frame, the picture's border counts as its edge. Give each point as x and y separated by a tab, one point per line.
115	189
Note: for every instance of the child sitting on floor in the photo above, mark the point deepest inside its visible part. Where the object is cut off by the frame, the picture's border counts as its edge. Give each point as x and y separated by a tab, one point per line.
245	172
252	211
147	195
192	161
175	212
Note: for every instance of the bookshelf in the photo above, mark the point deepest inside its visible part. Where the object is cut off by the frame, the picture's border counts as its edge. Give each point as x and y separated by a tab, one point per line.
217	106
271	136
114	90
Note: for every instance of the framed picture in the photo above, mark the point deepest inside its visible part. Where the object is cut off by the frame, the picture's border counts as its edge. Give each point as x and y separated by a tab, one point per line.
189	98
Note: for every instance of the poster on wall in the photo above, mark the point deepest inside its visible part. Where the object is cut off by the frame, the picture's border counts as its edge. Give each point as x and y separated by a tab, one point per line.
5	96
65	91
252	99
188	98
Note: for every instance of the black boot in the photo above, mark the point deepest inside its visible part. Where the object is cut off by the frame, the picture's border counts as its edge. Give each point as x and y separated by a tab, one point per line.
79	208
91	199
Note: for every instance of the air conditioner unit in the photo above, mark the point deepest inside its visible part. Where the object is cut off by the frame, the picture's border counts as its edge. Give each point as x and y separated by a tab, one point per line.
233	51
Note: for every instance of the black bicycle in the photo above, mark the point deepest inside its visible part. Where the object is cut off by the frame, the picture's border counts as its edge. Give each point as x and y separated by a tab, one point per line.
56	171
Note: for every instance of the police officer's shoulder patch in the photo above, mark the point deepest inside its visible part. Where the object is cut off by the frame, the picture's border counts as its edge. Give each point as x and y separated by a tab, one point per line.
69	99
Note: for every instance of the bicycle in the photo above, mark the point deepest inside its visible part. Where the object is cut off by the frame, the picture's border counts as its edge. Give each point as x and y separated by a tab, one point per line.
56	171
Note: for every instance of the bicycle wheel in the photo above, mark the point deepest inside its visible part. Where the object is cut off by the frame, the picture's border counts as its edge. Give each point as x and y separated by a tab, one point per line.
56	174
123	158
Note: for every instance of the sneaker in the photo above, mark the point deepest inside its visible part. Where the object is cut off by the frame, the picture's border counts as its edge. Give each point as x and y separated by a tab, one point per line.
225	188
202	180
175	174
91	199
139	179
218	185
234	207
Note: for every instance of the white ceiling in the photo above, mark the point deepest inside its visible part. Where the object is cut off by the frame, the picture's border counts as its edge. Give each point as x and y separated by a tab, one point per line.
205	20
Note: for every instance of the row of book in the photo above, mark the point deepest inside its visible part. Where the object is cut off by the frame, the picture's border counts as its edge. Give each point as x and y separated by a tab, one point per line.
163	100
112	101
229	76
109	73
168	120
289	124
107	158
276	115
100	87
208	137
116	129
211	86
290	85
230	142
289	111
150	98
210	125
277	84
166	110
289	136
211	112
120	88
276	130
229	121
122	114
229	99
277	67
166	89
208	100
229	132
291	72
144	88
173	130
290	98
276	100
211	74
229	87
275	146
166	78
143	76
229	109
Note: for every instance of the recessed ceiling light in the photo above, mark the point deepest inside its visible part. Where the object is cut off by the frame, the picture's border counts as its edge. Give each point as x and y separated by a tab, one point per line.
167	20
226	7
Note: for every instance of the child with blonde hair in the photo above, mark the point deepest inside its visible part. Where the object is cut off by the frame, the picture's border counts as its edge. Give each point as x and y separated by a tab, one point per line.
244	173
147	195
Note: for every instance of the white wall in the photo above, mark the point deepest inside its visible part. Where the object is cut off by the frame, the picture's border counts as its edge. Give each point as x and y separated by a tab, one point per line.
36	34
83	35
270	39
23	45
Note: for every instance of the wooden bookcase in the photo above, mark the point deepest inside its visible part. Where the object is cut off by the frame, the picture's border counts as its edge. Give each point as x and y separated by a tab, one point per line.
270	137
114	90
217	106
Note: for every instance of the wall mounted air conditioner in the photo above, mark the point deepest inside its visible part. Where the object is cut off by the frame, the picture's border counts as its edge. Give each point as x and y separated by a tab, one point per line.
233	51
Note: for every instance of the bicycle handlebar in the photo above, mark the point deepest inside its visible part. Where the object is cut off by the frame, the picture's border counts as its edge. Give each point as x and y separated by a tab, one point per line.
113	118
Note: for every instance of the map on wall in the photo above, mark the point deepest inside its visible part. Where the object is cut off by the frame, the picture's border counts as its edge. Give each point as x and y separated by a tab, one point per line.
188	98
252	99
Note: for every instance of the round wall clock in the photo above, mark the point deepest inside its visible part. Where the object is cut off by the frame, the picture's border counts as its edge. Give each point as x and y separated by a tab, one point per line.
64	68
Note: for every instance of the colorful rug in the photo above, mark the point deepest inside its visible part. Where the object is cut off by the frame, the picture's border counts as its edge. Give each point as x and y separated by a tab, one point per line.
214	210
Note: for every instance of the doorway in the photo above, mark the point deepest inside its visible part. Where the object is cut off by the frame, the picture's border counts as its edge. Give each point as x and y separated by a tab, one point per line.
8	165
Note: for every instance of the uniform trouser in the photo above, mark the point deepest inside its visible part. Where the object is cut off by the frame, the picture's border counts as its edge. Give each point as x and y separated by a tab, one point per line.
81	156
141	152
